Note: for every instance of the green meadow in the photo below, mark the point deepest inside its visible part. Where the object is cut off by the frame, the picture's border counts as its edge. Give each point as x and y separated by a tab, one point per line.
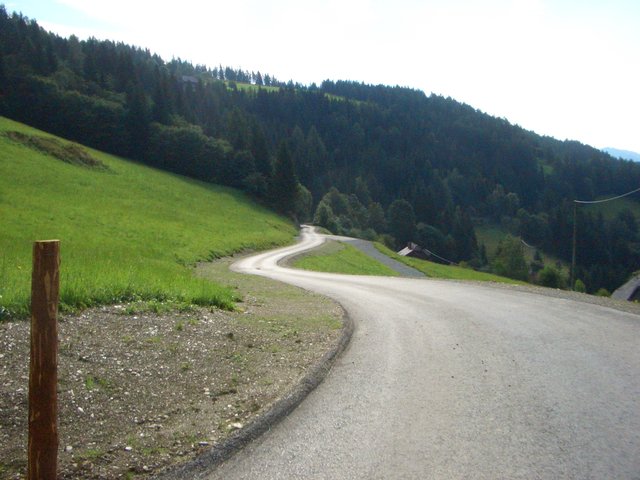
127	232
335	257
451	272
491	235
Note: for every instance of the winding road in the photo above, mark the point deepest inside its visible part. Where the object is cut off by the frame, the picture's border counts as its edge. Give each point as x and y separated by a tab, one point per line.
452	380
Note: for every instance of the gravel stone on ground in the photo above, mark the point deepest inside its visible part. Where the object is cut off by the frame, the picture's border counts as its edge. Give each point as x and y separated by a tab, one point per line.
140	392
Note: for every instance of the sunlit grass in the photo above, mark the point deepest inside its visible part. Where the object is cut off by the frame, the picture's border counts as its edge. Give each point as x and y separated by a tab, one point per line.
451	272
336	257
129	233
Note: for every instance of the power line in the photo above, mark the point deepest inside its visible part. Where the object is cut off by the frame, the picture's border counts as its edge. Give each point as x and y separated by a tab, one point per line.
587	202
451	262
608	199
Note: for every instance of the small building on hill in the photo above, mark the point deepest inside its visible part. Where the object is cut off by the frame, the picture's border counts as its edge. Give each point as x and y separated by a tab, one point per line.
415	251
630	291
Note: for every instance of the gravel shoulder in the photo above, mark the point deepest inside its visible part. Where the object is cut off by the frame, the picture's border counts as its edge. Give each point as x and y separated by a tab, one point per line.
615	304
141	392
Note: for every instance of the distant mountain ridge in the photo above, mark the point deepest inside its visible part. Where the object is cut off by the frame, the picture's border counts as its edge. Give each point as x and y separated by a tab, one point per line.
624	154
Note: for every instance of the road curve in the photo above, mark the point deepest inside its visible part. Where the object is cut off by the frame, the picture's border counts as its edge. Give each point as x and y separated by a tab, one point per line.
449	380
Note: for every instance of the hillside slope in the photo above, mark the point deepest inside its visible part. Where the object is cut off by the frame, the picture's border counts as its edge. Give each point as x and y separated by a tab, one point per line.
367	161
127	231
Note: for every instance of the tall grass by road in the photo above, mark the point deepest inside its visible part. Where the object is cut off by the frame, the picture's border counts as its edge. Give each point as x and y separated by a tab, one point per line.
127	231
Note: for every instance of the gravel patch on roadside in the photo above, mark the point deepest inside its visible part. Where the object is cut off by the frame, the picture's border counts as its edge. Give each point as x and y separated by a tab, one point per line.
140	391
629	307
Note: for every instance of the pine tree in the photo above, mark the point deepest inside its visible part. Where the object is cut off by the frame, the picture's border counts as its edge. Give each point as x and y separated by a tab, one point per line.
402	221
464	235
2	73
260	150
137	121
284	182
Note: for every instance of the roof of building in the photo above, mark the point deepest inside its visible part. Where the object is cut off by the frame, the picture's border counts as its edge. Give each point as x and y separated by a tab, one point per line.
628	290
411	247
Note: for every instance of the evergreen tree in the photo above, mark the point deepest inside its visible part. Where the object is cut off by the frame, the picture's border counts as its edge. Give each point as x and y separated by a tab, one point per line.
377	220
284	184
3	78
161	99
325	218
260	150
137	121
402	222
362	191
464	235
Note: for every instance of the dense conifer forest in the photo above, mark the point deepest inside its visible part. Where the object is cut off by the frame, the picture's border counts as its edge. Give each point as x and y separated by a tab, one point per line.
377	162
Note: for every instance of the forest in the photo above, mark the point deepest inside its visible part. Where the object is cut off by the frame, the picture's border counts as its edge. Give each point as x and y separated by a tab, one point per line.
373	161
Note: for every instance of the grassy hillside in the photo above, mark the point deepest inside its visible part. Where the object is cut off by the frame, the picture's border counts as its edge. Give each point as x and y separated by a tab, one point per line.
436	270
127	231
338	257
492	234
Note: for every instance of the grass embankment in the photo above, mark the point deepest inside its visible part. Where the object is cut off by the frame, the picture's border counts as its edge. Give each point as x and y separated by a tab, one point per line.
436	270
127	231
335	257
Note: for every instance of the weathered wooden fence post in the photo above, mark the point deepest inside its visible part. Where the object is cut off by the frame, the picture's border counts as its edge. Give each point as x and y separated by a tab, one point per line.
43	373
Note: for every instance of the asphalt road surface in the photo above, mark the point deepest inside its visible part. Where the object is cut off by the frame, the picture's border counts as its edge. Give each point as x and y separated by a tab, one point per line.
449	380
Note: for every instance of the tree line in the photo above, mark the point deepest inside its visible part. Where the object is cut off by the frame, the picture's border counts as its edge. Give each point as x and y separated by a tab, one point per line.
365	160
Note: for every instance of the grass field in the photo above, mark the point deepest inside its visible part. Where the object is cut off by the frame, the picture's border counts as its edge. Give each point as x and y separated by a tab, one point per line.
250	87
335	257
436	270
127	231
491	234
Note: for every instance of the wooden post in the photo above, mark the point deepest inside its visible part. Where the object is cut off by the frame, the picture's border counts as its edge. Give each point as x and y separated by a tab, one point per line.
43	374
573	252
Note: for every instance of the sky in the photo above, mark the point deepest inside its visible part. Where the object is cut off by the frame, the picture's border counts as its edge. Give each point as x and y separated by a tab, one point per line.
569	69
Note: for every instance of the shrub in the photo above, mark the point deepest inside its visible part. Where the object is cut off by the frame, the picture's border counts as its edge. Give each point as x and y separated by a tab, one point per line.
509	259
603	292
579	286
551	277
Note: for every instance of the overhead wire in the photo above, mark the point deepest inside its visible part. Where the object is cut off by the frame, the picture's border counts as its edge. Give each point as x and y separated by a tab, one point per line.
608	199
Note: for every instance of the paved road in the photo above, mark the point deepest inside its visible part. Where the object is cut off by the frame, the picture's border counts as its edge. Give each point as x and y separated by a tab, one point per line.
368	248
448	380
